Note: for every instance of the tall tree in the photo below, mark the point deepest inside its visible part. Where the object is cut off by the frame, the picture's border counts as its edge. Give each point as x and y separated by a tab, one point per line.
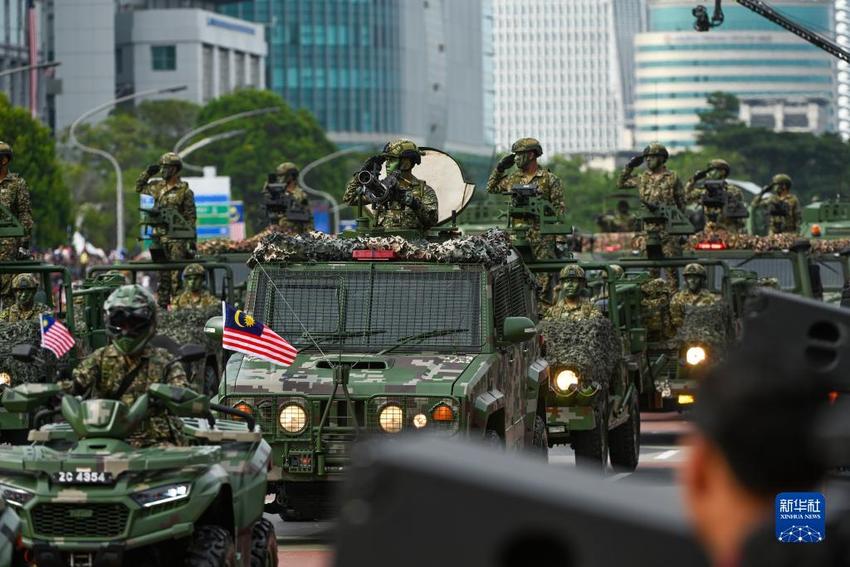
35	160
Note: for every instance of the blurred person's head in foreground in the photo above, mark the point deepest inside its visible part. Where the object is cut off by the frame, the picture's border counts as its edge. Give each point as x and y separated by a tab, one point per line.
754	438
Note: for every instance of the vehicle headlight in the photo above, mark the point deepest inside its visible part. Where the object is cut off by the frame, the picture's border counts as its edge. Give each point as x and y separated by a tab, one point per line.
243	407
16	497
391	418
292	418
5	379
162	494
695	355
564	379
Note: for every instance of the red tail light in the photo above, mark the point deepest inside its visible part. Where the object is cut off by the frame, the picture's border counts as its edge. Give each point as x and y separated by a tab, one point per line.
711	246
374	255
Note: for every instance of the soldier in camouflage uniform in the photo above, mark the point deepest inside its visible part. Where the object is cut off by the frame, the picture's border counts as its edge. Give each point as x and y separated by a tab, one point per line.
695	294
573	302
124	369
623	220
655	309
418	209
15	196
719	170
25	308
170	192
657	186
287	174
194	294
782	207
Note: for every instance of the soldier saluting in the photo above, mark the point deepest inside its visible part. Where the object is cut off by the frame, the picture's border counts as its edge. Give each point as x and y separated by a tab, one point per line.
783	207
169	192
413	203
287	205
15	196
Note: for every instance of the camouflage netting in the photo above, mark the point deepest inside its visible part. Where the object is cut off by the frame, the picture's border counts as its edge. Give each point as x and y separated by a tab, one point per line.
26	332
767	243
215	246
590	345
186	326
708	325
490	248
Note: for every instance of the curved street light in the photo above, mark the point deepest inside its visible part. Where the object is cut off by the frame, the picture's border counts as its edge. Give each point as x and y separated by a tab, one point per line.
203	142
119	180
327	196
14	70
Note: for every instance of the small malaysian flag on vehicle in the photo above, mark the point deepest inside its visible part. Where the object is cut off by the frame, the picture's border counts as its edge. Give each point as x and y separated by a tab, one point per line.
55	336
243	334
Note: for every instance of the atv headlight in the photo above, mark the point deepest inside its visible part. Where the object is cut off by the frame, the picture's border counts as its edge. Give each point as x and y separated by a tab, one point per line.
391	418
695	355
292	418
5	379
564	379
15	496
162	494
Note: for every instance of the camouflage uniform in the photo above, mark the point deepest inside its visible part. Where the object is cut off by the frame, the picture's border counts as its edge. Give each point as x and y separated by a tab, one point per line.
290	226
396	215
193	300
573	303
659	187
15	196
178	197
655	309
100	375
686	298
694	193
785	223
19	311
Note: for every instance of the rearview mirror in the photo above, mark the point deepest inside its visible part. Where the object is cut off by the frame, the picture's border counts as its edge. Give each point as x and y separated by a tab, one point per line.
24	352
192	353
215	326
518	330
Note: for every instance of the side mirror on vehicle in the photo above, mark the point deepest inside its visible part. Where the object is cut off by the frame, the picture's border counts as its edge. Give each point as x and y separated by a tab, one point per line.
181	402
192	353
215	326
517	330
24	352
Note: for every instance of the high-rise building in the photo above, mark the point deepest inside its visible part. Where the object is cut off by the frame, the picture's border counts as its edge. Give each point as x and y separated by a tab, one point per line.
782	81
16	28
630	19
376	69
559	68
842	33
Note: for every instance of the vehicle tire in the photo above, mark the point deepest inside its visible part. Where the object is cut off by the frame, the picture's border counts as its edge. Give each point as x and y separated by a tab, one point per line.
211	546
263	545
540	438
591	447
625	440
210	379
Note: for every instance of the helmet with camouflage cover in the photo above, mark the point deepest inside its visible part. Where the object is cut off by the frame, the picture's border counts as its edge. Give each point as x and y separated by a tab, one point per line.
286	167
695	270
573	271
193	270
527	145
720	164
781	179
25	281
656	149
170	158
130	313
6	150
402	149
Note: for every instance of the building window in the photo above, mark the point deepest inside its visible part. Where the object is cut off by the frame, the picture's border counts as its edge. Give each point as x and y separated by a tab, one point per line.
164	57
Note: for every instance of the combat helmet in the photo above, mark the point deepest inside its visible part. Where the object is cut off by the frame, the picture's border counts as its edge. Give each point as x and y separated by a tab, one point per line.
695	270
193	270
170	158
720	164
6	150
527	145
286	167
402	149
573	271
781	179
656	149
24	281
130	314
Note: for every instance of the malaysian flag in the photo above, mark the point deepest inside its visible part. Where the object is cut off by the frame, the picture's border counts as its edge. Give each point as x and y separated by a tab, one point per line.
55	336
243	334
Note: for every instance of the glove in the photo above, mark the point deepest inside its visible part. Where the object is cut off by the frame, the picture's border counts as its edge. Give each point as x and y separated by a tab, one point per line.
700	174
411	202
506	163
635	162
152	169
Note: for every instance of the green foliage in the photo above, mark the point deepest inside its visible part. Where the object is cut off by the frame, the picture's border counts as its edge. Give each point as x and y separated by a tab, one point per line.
35	160
723	112
689	162
587	191
269	139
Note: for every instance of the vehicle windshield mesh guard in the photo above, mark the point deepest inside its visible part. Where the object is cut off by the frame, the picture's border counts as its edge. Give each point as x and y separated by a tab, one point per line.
372	309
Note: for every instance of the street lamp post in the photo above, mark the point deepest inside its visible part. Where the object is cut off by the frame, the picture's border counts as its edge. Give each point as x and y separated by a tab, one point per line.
14	70
192	133
119	180
203	143
327	196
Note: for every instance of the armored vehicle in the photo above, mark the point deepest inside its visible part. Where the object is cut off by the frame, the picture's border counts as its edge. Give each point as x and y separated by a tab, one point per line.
826	220
87	497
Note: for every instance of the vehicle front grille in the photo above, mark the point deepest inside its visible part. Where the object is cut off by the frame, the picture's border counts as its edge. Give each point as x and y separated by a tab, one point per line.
79	520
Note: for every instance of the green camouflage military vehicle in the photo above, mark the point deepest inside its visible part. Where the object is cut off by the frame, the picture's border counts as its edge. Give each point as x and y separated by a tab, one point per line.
393	336
87	497
10	529
826	220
